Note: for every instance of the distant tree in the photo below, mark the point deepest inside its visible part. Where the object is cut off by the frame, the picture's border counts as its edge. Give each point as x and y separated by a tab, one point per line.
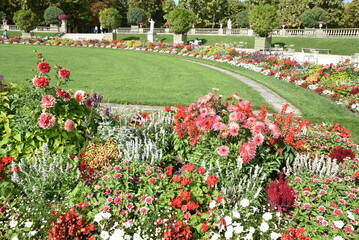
25	20
262	2
136	15
151	7
96	7
110	18
242	19
335	11
167	7
181	20
2	15
290	11
311	17
51	13
263	19
234	8
352	14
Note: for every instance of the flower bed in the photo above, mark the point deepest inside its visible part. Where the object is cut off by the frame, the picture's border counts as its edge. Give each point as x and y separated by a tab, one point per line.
211	170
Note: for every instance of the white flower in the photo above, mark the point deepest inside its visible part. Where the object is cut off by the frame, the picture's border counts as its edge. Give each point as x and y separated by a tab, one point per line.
15	238
236	214
98	217
238	228
338	224
249	236
244	202
31	234
13	224
278	214
338	238
105	235
228	220
28	224
267	216
212	204
106	215
137	236
350	215
275	235
215	237
119	232
264	227
252	229
229	233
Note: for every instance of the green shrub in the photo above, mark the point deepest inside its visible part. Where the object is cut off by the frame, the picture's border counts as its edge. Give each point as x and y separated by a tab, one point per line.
136	15
26	20
181	20
264	19
242	19
2	15
51	14
311	17
110	18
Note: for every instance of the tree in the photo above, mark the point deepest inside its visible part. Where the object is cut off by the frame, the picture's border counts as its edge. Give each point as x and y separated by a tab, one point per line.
311	17
262	2
335	11
167	7
180	20
25	20
51	13
96	7
110	18
234	8
352	14
242	19
291	10
136	15
2	15
150	6
264	19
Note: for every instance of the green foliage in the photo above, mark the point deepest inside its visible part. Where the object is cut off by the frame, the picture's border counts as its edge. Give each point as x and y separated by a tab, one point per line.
25	20
51	14
152	8
352	14
110	18
2	15
263	19
181	20
167	7
310	18
136	15
242	19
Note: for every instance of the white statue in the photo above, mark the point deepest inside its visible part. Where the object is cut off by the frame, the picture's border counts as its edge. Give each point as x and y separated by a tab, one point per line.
229	24
152	25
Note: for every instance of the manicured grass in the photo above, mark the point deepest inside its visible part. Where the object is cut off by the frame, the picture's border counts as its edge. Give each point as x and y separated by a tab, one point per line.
122	76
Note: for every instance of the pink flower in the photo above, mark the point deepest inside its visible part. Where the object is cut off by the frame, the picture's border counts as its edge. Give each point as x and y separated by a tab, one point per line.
342	201
118	200
129	196
143	197
65	95
69	125
233	132
258	139
110	199
320	218
143	210
117	175
105	177
325	223
46	121
321	209
130	206
64	73
259	127
297	204
307	193
106	208
324	186
349	229
149	200
298	179
41	82
223	151
352	195
337	212
117	168
218	126
306	206
80	96
48	101
323	192
248	151
44	67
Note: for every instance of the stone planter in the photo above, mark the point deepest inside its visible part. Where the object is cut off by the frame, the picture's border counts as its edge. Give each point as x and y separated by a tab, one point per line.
110	36
27	34
180	38
262	43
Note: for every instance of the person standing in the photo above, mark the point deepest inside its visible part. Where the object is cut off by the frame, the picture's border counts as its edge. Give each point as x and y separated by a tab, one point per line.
5	34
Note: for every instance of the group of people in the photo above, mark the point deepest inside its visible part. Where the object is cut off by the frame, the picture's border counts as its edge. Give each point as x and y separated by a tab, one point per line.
5	34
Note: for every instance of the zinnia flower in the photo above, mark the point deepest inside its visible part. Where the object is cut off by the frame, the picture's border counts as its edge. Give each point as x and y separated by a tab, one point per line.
48	101
143	210
64	73
223	151
69	125
46	120
44	67
80	96
248	151
40	82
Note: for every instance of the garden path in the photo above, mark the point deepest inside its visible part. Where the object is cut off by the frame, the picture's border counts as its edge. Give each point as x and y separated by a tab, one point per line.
270	96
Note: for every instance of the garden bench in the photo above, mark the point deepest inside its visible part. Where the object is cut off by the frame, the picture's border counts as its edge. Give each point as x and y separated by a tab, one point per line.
316	49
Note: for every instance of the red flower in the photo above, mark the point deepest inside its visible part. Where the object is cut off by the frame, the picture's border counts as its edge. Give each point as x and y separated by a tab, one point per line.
248	151
82	205
176	178
186	195
192	205
153	180
188	167
204	227
201	170
46	121
185	181
48	101
44	67
41	82
177	202
169	170
7	160
69	125
64	73
212	180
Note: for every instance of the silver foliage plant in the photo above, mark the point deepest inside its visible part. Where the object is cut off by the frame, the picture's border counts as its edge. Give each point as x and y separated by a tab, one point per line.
304	163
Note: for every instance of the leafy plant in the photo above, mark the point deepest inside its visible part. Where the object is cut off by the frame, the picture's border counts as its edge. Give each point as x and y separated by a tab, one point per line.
311	17
263	19
26	20
181	20
242	19
136	15
51	14
110	18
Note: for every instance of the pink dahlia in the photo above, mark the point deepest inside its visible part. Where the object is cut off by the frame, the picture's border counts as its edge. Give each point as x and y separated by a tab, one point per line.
233	132
248	151
65	95
223	151
80	96
48	101
69	125
41	82
44	67
64	73
46	120
218	126
258	139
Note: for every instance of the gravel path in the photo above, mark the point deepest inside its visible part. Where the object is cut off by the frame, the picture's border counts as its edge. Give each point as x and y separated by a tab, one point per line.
269	96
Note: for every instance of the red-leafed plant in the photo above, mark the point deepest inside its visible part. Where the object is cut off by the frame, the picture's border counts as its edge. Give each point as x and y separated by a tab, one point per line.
281	196
340	153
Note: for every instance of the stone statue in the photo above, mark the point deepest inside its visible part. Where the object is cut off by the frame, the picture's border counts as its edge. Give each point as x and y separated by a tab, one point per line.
229	24
152	25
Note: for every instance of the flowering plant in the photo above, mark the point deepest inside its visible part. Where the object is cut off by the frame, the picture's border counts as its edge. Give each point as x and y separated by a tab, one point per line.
63	16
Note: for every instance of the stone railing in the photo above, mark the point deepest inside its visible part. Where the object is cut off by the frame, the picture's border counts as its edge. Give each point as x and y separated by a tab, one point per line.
325	32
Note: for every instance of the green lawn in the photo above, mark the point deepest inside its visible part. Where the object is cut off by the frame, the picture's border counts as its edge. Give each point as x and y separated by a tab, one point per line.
339	46
122	76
